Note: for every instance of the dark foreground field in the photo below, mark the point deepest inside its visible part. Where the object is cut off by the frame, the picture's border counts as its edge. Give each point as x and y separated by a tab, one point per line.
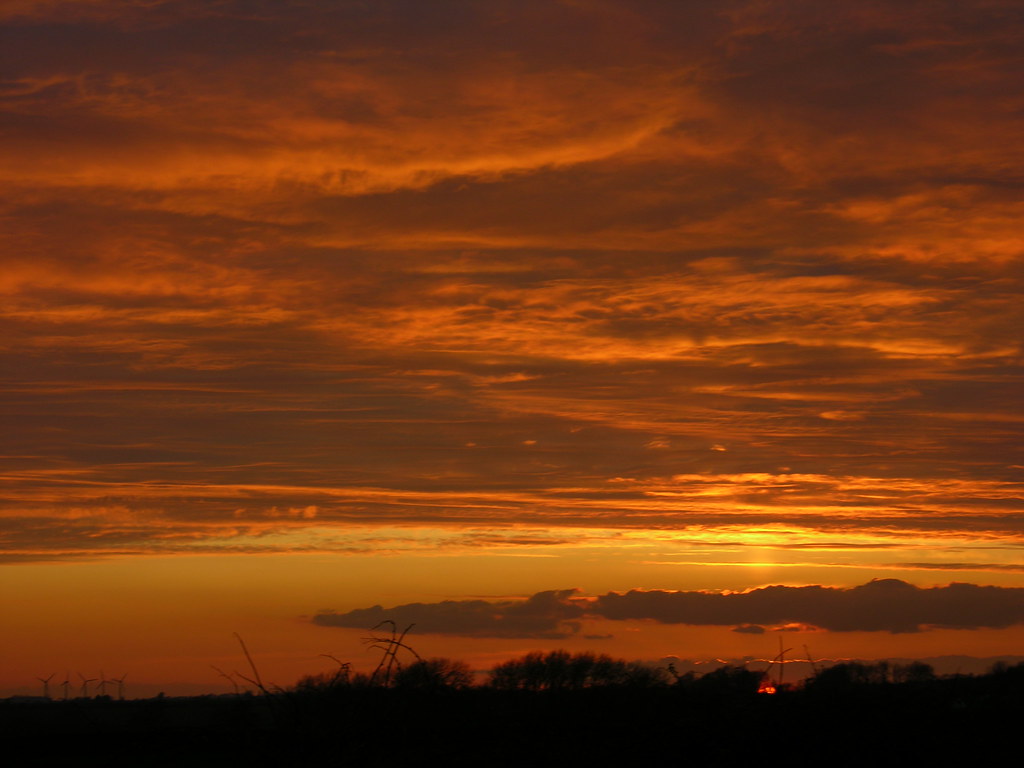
949	721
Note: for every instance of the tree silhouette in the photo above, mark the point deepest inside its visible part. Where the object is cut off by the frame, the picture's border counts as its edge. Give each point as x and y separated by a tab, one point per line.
434	674
914	672
726	680
840	677
561	670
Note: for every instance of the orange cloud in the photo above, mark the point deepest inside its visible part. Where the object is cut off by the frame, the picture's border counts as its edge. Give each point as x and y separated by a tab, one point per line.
741	271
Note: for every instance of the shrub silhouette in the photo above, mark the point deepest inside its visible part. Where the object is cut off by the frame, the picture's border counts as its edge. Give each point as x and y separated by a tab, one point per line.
915	672
561	670
726	680
840	677
434	675
318	683
331	682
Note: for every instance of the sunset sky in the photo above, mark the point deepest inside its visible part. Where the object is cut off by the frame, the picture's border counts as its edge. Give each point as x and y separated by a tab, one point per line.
577	322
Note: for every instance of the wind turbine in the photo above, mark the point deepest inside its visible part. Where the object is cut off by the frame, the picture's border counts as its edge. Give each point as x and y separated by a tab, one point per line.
46	684
66	684
85	685
120	686
103	684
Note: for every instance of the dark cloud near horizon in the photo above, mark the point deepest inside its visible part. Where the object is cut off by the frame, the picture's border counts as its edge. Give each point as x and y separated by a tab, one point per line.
545	615
750	629
881	605
887	605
